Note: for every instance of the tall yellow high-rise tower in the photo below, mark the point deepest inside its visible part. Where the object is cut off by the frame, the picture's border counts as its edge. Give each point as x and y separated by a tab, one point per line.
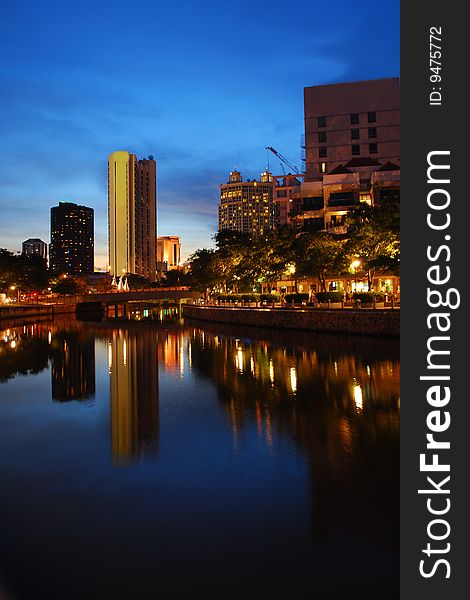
132	214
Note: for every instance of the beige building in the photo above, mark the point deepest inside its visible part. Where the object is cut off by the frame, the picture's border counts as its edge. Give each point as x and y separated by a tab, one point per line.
346	121
247	206
132	215
168	253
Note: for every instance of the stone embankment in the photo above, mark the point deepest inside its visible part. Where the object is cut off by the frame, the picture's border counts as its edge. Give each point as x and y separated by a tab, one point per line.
361	321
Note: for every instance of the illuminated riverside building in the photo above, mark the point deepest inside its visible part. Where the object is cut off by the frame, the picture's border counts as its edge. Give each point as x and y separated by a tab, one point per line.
352	152
133	368
168	253
72	239
132	215
247	206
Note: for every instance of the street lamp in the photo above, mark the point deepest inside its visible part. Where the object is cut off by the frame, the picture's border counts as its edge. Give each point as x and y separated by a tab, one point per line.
355	266
291	268
13	288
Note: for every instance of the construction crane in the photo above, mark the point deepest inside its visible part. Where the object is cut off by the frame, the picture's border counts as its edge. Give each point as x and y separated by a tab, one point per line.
295	170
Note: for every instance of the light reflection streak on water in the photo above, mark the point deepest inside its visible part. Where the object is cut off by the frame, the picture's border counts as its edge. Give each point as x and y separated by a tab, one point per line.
293	379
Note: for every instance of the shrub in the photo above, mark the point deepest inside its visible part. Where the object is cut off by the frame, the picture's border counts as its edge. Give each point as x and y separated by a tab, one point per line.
250	297
331	296
269	297
297	298
368	297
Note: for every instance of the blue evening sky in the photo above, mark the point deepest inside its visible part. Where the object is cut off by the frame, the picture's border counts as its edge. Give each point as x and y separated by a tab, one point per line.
203	86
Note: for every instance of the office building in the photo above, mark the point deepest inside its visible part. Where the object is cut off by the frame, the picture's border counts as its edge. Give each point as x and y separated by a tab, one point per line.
349	121
34	246
71	250
132	215
247	206
168	253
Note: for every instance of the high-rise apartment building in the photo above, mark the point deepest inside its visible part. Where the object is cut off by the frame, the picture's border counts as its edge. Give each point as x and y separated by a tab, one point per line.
168	252
345	122
247	206
34	246
132	215
72	247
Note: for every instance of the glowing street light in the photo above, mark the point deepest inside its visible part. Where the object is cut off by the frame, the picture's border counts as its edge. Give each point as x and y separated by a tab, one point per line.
354	267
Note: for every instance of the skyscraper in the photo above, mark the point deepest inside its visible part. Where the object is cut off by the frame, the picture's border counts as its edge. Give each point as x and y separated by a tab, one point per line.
247	206
132	210
72	246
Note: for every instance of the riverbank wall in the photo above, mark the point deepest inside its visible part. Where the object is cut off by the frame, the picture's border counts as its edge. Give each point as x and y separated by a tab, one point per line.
26	311
384	323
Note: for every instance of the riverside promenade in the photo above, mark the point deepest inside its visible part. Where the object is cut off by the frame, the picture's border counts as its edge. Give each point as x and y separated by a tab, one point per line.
384	323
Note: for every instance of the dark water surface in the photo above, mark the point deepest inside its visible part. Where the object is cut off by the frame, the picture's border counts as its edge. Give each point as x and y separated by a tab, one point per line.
162	459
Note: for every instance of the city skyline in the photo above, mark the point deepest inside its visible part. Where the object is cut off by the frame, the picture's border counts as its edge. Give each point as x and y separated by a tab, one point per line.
198	100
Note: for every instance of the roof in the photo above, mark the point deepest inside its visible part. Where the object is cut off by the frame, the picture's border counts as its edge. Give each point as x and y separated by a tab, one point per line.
365	161
389	166
339	170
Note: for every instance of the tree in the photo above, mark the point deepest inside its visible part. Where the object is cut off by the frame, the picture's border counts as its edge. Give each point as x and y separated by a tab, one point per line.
204	274
175	277
319	255
66	287
374	238
27	272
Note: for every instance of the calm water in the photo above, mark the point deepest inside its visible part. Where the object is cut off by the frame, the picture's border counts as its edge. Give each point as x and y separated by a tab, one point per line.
162	459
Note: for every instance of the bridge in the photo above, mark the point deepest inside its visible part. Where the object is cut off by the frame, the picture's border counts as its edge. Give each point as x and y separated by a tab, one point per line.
155	294
116	303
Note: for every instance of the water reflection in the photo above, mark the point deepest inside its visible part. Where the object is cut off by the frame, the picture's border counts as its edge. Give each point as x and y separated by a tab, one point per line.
72	355
22	352
272	447
133	374
340	408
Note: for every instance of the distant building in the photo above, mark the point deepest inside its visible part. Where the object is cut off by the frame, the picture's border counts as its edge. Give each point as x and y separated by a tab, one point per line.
132	215
348	121
168	253
247	206
35	246
286	190
72	247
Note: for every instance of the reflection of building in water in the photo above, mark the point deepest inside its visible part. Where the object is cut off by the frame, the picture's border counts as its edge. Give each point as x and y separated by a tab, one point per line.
341	407
171	351
73	365
133	367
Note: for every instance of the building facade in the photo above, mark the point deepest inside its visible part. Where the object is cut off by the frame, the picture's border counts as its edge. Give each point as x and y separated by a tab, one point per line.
323	205
132	215
347	121
286	190
168	253
247	206
71	250
34	246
